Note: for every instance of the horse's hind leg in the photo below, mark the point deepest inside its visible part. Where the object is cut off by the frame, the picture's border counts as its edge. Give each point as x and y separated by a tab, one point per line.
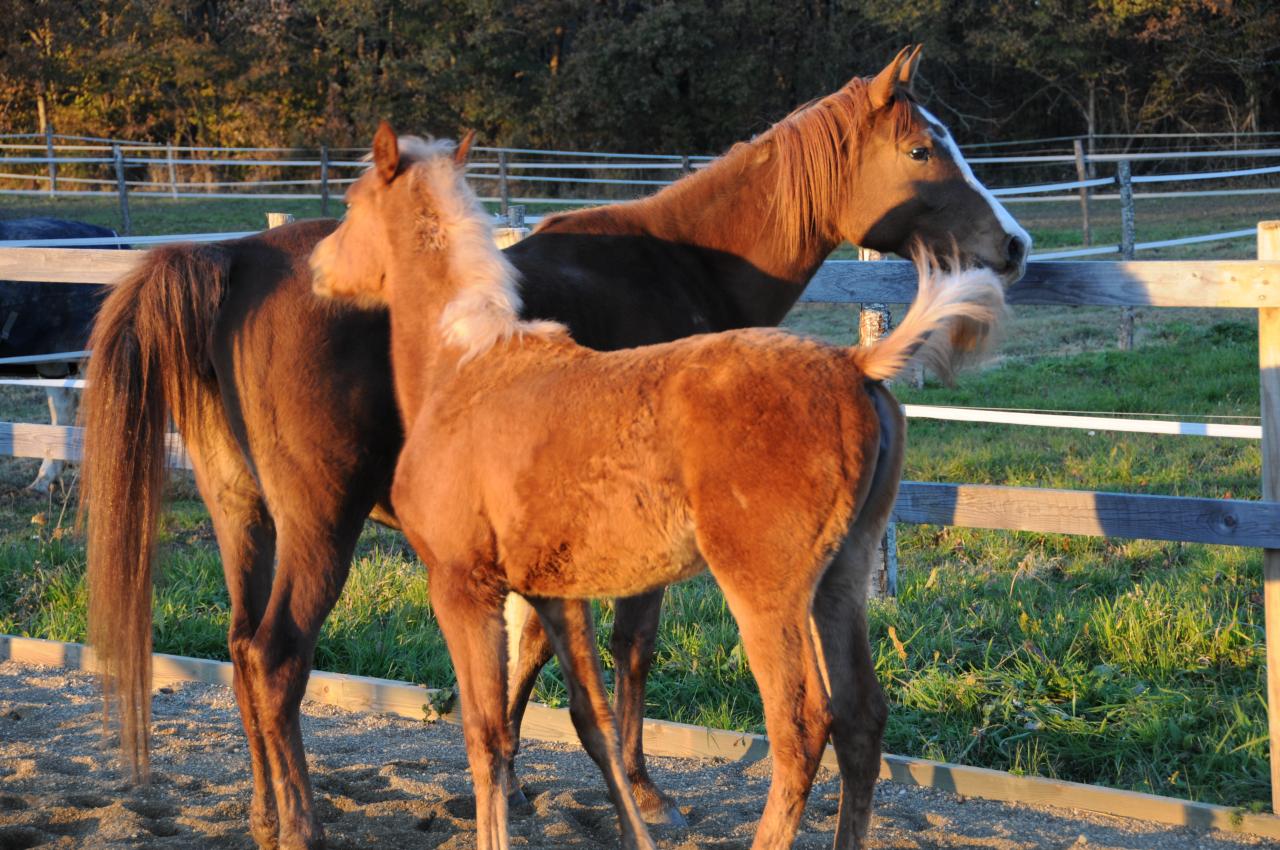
857	702
316	540
773	619
246	541
528	651
635	633
840	617
571	628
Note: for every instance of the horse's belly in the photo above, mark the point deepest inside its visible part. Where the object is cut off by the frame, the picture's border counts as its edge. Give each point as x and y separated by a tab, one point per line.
607	554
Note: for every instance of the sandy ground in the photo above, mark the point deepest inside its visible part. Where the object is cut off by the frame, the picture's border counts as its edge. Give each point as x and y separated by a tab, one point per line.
390	782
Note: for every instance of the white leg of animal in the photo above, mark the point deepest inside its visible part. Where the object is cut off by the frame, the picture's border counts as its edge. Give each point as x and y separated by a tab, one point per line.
62	411
516	611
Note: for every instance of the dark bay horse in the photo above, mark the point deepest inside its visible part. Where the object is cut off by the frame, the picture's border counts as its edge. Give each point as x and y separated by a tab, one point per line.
286	403
535	466
47	318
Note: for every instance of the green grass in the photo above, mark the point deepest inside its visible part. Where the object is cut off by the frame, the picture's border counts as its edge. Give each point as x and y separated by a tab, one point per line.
1133	664
159	216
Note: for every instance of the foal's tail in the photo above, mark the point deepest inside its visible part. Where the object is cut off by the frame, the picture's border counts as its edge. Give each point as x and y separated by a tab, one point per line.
964	306
151	357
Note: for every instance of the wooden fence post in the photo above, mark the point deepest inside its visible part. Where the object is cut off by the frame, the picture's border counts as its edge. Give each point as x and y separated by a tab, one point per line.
874	322
686	167
277	219
1082	174
122	190
173	172
1269	376
53	166
504	190
1127	236
324	180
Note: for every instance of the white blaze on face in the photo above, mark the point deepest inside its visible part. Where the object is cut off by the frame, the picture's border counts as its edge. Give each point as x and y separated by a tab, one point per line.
1008	222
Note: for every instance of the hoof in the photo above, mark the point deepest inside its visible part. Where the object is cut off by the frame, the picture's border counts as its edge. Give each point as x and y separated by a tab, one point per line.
313	843
518	803
264	826
309	838
265	832
657	808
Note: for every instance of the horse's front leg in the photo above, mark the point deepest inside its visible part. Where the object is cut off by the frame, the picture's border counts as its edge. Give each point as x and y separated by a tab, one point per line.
62	411
635	634
469	611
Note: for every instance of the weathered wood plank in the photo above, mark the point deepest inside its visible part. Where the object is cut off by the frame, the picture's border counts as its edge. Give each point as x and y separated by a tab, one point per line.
996	785
1228	522
1269	378
67	265
64	442
49	653
174	669
681	740
367	693
1217	283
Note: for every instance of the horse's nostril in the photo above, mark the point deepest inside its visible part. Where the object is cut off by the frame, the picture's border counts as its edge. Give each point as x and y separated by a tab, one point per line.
1015	250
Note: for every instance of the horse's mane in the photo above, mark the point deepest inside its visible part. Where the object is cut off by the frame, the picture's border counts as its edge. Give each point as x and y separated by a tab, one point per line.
486	306
811	147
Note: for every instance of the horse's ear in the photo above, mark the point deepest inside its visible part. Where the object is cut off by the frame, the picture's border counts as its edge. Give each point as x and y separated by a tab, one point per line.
464	149
882	88
386	152
907	73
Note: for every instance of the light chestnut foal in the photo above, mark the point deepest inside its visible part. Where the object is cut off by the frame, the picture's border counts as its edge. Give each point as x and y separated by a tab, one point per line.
537	466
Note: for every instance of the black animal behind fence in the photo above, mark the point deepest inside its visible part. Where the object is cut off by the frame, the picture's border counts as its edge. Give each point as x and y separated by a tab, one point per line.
39	320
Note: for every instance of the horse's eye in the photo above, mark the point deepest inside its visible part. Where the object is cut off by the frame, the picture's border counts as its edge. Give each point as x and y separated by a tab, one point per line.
919	154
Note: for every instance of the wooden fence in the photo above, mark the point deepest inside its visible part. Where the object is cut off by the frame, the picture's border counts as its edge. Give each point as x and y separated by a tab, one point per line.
53	165
1245	284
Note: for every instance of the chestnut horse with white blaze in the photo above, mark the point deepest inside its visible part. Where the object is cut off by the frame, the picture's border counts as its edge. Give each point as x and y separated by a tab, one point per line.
536	466
286	406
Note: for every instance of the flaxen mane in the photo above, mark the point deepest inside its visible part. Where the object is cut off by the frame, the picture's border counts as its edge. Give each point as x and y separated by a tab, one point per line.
487	306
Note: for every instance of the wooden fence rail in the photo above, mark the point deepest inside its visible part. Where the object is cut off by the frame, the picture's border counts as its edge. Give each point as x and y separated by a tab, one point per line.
1245	284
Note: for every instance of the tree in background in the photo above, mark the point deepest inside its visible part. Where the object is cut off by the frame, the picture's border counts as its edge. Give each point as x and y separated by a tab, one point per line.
622	74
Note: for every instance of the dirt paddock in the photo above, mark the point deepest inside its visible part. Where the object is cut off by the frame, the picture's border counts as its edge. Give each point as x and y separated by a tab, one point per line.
389	782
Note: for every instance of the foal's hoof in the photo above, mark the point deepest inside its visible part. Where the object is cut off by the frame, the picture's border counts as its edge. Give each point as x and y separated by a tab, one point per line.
309	838
518	803
657	808
265	831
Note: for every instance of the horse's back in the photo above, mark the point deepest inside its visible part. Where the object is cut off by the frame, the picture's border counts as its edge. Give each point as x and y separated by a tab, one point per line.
624	290
305	381
778	434
51	228
607	465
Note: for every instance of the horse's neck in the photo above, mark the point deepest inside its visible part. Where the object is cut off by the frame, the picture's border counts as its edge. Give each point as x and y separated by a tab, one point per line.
417	351
726	215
